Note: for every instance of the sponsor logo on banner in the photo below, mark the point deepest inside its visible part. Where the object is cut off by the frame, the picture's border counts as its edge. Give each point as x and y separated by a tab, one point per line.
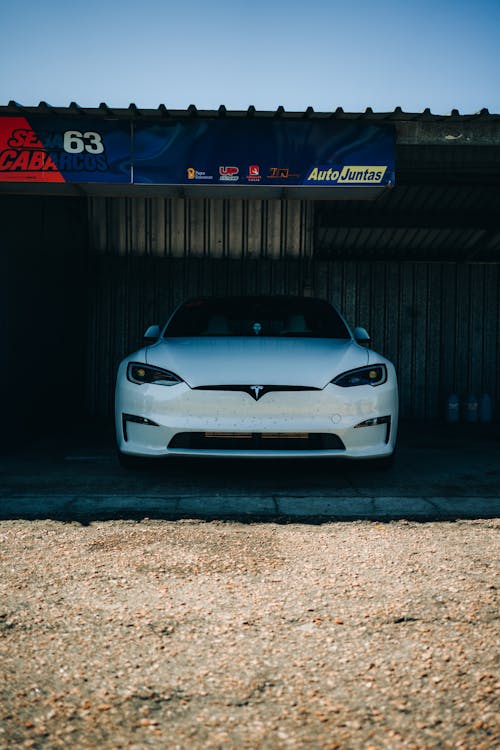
195	174
280	173
348	175
254	173
229	174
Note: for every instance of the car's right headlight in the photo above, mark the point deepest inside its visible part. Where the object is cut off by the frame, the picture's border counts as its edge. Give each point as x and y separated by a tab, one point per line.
373	375
140	374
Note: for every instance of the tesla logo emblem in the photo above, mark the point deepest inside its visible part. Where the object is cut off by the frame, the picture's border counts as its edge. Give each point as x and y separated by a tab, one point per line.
256	391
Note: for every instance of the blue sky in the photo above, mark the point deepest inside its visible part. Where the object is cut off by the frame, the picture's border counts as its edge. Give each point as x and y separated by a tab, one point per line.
320	53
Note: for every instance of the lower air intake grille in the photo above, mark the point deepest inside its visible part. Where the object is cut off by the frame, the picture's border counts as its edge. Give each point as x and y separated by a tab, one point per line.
257	441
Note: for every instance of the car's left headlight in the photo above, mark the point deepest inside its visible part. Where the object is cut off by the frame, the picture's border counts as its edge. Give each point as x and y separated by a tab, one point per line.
140	374
374	375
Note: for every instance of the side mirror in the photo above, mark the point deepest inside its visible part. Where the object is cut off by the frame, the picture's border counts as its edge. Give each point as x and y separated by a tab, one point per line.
152	334
362	336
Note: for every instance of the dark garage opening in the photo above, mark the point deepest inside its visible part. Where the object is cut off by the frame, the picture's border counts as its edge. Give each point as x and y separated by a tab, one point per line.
44	312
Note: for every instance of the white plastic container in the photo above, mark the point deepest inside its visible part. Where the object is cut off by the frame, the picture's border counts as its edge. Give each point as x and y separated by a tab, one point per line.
471	409
453	409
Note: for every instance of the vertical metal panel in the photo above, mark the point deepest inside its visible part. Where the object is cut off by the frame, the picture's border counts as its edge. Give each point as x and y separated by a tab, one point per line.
463	363
491	333
434	396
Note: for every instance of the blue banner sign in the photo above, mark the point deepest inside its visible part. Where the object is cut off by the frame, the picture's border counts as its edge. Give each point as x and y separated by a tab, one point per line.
199	151
263	151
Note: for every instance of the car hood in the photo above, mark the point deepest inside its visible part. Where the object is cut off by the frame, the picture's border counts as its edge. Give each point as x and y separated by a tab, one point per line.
268	361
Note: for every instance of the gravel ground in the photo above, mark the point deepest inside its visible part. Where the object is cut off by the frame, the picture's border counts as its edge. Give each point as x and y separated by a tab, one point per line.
195	634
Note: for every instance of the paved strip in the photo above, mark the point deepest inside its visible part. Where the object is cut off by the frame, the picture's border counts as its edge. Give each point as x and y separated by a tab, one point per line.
94	507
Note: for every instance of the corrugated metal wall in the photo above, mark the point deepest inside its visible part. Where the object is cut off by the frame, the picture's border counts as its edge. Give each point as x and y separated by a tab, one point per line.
438	322
203	228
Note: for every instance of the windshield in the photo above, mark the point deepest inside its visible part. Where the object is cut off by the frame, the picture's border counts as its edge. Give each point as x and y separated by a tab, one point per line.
257	316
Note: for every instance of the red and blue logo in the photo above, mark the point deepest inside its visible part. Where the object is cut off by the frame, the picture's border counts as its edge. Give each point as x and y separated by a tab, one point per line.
63	151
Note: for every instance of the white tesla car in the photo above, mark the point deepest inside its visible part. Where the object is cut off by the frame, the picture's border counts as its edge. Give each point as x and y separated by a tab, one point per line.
256	377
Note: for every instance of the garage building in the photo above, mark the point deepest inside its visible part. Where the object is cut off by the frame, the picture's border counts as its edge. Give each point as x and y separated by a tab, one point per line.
86	266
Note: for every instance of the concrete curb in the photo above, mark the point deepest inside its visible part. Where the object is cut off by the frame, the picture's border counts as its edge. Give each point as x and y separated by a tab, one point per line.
250	507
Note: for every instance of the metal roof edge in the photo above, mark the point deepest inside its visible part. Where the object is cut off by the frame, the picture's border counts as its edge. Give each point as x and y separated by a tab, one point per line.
133	112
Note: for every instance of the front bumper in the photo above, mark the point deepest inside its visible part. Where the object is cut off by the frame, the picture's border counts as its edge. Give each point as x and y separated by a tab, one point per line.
333	411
